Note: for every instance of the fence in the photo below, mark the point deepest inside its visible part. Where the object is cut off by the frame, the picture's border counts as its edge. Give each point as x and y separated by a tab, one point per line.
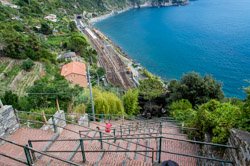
157	154
186	152
29	153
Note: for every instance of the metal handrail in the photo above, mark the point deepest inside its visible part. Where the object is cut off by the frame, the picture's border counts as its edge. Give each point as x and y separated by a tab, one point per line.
98	131
199	157
12	158
119	138
34	121
92	130
161	137
117	151
200	142
42	153
184	140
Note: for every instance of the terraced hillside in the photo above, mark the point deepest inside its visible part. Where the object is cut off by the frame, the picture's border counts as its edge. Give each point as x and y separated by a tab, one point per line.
12	77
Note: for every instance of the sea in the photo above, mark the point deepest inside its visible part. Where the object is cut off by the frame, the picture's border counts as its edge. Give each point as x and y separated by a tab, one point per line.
206	36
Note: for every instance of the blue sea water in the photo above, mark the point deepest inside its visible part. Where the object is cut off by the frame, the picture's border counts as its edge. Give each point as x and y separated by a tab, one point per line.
206	36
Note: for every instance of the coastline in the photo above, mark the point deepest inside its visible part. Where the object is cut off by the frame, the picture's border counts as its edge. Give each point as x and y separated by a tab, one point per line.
138	71
108	15
116	12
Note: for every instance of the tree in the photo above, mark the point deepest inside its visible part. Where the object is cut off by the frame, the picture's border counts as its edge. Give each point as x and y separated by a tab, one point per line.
72	26
101	72
225	117
130	102
182	111
45	91
10	98
27	64
77	43
245	119
107	102
151	88
216	119
45	29
80	109
196	89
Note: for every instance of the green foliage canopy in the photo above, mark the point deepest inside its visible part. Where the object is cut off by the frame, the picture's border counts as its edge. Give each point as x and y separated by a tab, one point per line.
151	88
107	102
196	89
130	102
27	65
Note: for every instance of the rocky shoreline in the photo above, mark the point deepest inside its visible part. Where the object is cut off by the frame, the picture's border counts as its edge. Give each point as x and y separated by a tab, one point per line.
145	5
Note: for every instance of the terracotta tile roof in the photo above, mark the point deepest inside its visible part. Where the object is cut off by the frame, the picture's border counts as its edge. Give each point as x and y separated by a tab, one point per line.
74	68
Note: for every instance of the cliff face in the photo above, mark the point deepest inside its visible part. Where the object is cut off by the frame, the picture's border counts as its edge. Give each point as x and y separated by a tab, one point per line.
240	140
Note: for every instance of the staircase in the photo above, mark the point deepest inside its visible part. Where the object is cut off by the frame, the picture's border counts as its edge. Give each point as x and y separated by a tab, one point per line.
137	143
21	136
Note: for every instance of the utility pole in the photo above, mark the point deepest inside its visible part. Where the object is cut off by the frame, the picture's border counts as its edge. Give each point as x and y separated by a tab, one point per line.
91	94
98	79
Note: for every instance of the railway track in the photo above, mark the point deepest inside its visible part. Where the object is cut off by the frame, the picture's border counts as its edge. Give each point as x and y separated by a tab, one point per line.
111	62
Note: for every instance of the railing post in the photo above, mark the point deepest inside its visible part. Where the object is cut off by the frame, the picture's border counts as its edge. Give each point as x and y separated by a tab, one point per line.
152	157
121	130
114	135
27	154
159	151
182	128
88	120
32	152
82	150
160	128
102	117
54	124
101	139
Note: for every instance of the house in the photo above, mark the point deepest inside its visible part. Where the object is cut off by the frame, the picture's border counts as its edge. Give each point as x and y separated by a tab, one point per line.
69	56
75	72
51	17
7	3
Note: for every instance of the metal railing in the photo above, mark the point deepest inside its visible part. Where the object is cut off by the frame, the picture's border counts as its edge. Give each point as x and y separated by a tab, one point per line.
159	143
101	133
30	154
159	151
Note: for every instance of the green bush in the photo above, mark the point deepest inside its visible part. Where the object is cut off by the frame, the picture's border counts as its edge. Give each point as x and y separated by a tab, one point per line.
130	102
182	111
107	102
27	65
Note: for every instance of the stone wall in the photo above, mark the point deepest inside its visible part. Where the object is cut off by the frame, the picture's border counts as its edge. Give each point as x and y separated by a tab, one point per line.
84	120
240	140
8	120
59	120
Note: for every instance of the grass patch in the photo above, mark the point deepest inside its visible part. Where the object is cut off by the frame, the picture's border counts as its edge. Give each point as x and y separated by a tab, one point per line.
10	75
3	66
57	41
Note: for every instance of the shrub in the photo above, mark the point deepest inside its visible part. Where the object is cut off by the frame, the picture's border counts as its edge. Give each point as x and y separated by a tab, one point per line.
182	110
130	101
27	65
